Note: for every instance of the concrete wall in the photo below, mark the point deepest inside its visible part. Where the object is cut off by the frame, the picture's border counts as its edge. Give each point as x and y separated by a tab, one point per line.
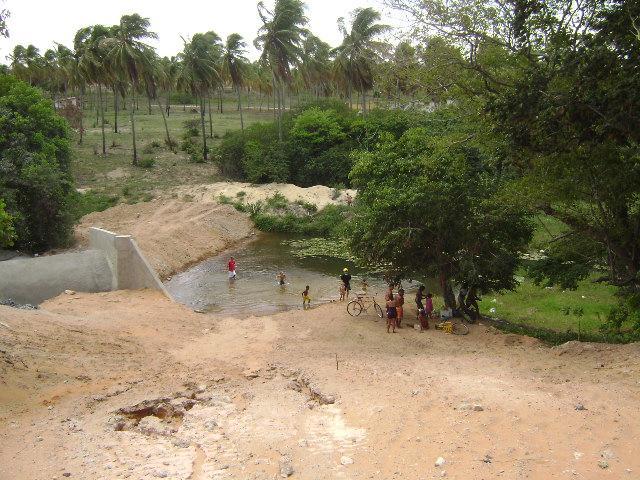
129	266
32	280
113	262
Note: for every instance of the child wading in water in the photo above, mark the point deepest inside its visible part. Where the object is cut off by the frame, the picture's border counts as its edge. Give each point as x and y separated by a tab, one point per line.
306	300
392	314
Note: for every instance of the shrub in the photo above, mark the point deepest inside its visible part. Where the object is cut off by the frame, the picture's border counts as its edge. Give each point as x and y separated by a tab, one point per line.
146	162
224	200
192	128
35	179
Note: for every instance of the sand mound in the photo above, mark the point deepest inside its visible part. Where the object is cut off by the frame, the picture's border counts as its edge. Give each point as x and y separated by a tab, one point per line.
319	195
172	234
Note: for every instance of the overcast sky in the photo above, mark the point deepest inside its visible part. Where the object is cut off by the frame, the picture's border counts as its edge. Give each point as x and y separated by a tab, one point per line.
43	22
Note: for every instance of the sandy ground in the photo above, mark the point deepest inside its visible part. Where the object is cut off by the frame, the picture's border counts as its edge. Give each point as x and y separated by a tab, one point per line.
173	234
319	195
129	385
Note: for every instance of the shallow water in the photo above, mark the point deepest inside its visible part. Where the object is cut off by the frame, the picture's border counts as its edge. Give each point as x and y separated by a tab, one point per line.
255	291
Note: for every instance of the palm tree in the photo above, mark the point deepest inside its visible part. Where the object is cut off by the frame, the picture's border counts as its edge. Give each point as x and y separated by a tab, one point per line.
130	58
280	37
315	68
234	66
359	50
88	45
198	73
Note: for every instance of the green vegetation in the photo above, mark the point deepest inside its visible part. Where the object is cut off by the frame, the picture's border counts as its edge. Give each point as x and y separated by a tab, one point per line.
7	232
35	182
85	203
316	146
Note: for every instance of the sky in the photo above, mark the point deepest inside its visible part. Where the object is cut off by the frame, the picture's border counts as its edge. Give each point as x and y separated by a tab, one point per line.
44	22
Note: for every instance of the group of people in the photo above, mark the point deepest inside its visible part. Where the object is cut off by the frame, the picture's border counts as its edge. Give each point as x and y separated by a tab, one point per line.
394	302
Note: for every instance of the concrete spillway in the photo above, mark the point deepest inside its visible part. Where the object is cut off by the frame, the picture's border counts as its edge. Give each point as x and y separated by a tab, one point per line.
112	262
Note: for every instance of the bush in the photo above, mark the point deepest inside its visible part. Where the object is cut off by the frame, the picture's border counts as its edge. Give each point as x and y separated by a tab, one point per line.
35	179
192	128
147	162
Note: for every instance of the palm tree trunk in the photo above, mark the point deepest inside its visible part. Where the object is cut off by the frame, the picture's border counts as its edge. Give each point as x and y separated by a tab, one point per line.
104	139
164	119
204	134
149	103
81	122
350	95
210	117
115	110
240	108
220	99
133	129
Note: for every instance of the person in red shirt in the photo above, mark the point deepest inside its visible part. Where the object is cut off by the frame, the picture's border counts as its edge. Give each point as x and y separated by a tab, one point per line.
232	268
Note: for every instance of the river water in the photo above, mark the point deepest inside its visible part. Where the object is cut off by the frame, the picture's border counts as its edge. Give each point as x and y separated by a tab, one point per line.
255	291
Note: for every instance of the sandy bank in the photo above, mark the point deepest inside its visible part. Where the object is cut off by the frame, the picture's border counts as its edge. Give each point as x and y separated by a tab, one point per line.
318	195
129	385
172	234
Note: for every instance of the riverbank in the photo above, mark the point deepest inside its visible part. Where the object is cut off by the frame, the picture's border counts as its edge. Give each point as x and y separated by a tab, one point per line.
130	385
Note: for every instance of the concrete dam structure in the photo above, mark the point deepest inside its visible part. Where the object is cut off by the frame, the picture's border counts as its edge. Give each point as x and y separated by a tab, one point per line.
112	262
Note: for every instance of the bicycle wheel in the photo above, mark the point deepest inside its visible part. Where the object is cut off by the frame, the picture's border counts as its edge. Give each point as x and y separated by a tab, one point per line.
460	328
378	310
354	308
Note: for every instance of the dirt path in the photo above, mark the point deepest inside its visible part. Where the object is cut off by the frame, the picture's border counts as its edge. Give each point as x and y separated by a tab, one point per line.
128	385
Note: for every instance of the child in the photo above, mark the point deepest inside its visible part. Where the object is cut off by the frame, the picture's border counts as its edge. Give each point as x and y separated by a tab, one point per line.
392	314
424	320
419	297
428	307
343	291
399	303
282	279
365	285
306	300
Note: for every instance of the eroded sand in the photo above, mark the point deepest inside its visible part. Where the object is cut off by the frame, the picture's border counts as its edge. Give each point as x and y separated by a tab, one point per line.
237	402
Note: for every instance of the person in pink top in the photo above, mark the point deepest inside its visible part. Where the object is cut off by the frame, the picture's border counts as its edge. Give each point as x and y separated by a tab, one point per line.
232	268
428	305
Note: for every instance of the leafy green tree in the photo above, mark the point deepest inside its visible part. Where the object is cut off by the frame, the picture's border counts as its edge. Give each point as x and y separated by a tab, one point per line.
35	182
427	206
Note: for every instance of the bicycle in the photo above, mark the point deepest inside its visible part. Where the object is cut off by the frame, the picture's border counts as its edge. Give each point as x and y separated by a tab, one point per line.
363	303
456	326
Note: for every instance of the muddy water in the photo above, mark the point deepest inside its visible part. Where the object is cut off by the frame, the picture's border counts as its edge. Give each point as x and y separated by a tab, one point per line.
256	291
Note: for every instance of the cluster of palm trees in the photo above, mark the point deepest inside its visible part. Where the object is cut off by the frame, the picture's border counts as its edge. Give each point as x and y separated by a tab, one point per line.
119	59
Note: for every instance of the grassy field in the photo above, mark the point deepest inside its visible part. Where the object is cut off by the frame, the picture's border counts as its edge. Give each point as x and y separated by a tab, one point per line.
582	310
113	175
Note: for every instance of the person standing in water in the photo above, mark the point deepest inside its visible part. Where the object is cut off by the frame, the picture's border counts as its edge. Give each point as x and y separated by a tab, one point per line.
282	279
232	268
346	280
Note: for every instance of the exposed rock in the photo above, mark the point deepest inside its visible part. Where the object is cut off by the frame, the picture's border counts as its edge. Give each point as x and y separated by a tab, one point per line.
286	469
603	464
344	460
478	408
440	461
69	292
580	406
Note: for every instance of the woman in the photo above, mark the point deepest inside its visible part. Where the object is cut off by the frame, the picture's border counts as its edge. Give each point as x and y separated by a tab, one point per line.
419	297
